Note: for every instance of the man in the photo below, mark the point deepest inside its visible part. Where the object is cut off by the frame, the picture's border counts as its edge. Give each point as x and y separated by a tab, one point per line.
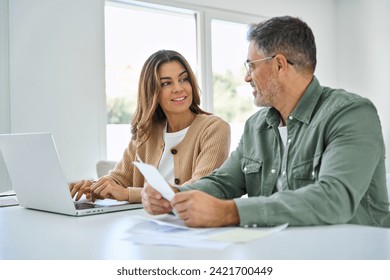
313	156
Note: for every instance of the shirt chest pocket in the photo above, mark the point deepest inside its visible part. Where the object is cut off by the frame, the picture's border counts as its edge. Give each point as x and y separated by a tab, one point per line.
306	172
252	170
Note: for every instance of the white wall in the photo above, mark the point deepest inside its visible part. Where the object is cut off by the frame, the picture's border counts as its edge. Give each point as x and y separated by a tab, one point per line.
4	81
55	80
363	41
56	77
4	87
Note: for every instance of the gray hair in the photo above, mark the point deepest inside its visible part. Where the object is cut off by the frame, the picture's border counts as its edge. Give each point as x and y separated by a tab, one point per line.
289	36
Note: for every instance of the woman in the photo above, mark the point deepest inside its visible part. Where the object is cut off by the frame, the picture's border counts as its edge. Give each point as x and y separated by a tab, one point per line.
169	131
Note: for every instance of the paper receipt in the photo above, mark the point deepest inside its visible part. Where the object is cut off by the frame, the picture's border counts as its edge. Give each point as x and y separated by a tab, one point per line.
155	179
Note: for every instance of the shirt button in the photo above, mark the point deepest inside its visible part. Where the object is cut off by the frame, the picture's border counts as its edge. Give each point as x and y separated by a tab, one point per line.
284	173
177	181
174	151
289	141
245	169
273	171
291	117
313	173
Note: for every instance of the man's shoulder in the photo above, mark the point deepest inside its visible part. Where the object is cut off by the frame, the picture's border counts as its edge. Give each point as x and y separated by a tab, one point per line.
334	103
337	98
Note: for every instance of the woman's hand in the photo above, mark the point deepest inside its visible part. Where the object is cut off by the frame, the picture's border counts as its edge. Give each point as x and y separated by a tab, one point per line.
101	189
107	188
80	188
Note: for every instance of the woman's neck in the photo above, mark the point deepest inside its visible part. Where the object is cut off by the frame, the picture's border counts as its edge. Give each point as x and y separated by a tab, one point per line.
179	122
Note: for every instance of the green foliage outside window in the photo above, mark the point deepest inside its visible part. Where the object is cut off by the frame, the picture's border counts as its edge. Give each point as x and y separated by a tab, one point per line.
119	110
228	103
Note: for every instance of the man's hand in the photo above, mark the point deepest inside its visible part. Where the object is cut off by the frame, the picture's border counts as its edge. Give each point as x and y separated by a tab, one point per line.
199	209
153	201
195	208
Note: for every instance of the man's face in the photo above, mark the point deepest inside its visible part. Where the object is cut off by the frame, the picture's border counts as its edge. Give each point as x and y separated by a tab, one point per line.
262	78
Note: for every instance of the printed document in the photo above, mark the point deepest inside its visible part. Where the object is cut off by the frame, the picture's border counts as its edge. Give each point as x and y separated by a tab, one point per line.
171	230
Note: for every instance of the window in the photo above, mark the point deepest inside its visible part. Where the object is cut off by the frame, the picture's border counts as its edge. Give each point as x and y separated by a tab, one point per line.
215	46
233	99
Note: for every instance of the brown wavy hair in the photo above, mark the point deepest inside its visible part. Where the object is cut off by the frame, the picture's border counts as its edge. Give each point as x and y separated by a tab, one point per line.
149	111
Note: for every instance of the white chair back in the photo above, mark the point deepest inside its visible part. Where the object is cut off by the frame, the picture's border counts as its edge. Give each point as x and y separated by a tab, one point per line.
104	166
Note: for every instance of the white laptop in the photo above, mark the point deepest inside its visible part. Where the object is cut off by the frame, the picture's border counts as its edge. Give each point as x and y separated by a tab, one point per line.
38	180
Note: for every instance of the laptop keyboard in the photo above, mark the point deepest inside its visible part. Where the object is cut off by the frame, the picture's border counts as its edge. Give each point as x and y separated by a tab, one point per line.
84	205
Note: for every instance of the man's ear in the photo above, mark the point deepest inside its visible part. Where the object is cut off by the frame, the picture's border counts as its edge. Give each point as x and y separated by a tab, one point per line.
281	61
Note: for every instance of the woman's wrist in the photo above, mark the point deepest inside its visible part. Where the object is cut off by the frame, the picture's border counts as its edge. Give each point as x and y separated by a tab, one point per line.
134	194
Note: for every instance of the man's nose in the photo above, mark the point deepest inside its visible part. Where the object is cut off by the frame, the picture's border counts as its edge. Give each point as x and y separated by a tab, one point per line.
248	78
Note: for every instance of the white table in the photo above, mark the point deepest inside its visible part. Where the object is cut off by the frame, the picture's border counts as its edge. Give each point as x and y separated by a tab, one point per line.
30	234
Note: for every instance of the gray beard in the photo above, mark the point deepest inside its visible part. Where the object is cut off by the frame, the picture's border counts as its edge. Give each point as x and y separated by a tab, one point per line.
268	96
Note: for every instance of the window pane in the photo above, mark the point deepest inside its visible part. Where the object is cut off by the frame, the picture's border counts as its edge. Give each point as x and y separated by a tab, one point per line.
233	99
132	34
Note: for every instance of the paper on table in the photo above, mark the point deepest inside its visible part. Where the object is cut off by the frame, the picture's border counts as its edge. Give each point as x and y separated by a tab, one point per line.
155	179
8	201
8	198
170	230
8	193
243	235
165	220
225	234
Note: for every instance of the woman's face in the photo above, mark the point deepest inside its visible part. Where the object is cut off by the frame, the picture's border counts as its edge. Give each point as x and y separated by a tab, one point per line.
176	90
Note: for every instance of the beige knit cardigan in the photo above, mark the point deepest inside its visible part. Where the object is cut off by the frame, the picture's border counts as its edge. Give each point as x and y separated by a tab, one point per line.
204	148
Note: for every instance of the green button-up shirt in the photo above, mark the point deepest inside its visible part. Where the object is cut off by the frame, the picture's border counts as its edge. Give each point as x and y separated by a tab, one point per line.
332	168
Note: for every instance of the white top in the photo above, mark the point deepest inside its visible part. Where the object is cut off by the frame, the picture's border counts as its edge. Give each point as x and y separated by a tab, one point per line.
283	134
166	165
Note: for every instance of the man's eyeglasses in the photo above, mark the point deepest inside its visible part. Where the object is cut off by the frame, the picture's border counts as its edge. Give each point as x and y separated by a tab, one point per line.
248	63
